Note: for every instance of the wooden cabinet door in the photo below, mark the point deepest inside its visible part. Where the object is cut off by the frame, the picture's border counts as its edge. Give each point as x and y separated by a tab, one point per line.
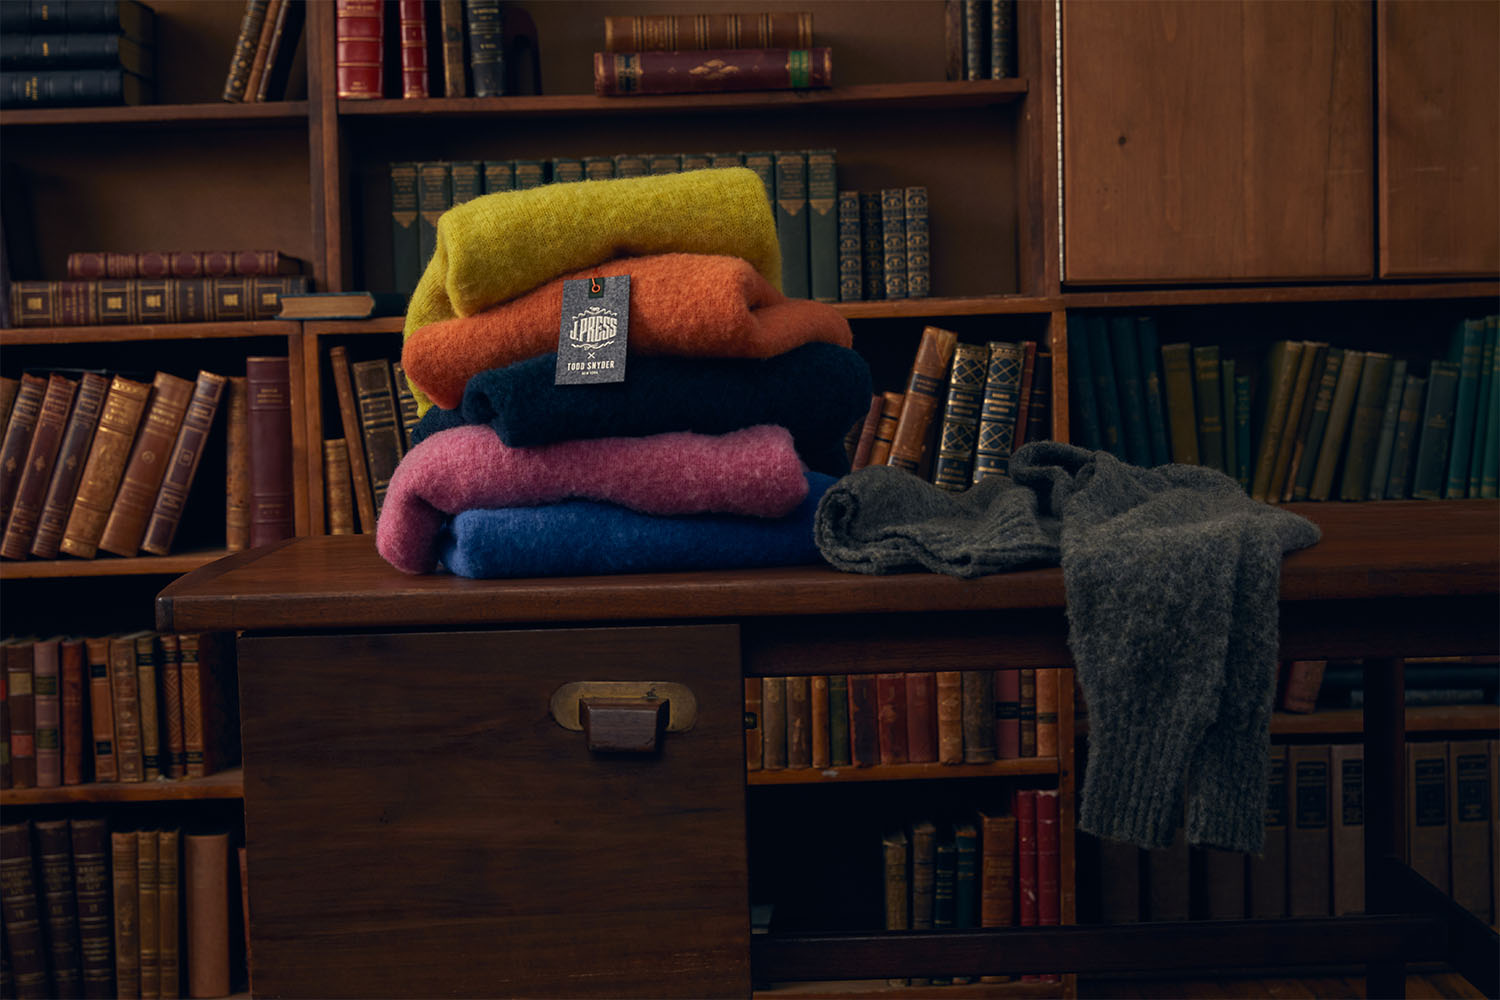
1439	127
1217	141
418	825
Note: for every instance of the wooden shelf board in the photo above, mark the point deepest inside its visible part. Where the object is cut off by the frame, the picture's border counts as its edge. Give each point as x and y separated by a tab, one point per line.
1426	719
843	989
107	565
214	114
978	305
884	96
901	772
155	331
384	324
222	785
1252	294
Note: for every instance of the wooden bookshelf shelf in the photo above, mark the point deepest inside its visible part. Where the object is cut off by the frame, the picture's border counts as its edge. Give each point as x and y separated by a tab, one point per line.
106	565
934	95
196	116
1248	294
1426	719
223	785
157	331
844	989
979	305
902	772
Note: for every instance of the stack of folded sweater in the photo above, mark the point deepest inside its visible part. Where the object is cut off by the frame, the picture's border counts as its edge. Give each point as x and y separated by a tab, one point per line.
711	453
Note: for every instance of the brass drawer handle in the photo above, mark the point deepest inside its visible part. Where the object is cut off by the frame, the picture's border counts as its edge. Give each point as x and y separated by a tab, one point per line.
624	716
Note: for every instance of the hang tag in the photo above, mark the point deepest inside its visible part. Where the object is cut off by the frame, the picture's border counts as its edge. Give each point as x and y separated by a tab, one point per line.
595	325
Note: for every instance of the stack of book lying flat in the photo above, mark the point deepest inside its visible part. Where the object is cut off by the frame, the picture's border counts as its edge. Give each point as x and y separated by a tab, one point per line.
64	53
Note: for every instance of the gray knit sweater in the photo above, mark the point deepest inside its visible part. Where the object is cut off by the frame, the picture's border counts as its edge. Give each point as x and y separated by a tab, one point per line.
1172	579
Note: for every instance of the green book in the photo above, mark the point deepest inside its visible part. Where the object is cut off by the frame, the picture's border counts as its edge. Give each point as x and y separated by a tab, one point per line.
631	165
406	244
1106	389
1149	347
1085	408
1243	393
1364	425
838	720
1281	372
434	197
1380	470
499	175
1299	416
1467	350
791	223
1207	384
567	169
1132	393
599	168
1484	427
1340	409
468	180
822	225
530	174
1436	431
1182	415
764	165
892	241
1489	480
1403	448
1305	456
1227	409
918	245
851	262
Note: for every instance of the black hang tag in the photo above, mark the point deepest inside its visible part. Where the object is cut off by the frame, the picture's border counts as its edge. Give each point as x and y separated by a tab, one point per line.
595	325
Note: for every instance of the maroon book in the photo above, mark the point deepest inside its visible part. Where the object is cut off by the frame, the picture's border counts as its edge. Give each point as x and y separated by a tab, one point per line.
681	72
76	731
270	433
413	29
1048	865
359	33
890	699
1007	714
921	718
1026	857
864	738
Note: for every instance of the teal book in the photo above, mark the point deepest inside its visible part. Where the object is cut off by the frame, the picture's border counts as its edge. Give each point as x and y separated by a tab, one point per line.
1305	458
1335	435
791	222
1385	440
499	175
893	241
918	245
434	197
1242	405
764	165
1489	480
1436	431
1080	365
468	180
1403	448
406	242
599	168
631	165
1155	395
851	263
530	174
1226	415
567	169
1484	428
823	225
1132	393
1467	350
872	243
838	720
1207	390
664	163
1106	392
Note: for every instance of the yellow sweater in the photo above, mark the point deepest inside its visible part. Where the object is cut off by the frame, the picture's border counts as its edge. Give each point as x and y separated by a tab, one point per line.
497	247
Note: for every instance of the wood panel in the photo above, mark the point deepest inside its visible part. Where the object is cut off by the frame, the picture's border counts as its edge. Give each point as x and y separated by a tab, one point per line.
1439	128
1217	141
415	807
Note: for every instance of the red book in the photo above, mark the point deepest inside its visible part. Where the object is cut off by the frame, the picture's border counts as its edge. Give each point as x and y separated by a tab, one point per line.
621	73
359	34
413	29
1026	862
1007	714
890	695
864	737
1048	866
21	696
76	732
270	434
921	717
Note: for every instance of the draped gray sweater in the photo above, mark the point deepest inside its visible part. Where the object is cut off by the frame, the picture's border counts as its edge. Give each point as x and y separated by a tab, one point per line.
1172	579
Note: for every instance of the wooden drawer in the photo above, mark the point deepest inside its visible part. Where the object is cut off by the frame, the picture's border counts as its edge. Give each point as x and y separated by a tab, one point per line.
419	825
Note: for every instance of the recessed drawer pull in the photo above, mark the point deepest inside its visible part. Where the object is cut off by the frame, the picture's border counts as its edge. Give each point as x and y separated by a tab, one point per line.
624	716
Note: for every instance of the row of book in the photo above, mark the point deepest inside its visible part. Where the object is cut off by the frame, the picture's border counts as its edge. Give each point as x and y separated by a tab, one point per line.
440	48
264	50
965	409
863	720
132	301
1319	684
136	706
1334	423
378	413
1000	869
99	913
66	53
988	33
1313	863
92	462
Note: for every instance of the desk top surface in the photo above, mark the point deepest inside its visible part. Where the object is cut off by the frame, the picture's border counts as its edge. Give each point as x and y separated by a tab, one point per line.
1369	550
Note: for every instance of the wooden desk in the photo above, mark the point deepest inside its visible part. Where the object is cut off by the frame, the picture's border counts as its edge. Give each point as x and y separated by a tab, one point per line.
394	724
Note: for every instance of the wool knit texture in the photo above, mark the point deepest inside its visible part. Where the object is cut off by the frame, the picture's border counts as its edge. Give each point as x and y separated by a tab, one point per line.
1172	577
689	305
752	472
499	246
816	391
581	537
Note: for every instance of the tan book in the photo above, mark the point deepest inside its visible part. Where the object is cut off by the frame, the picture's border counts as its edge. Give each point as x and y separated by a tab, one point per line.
147	844
950	717
753	712
923	395
817	686
1179	388
147	669
67	470
210	706
1427	811
146	466
1348	828
1469	827
237	464
885	428
124	685
1281	371
101	709
359	471
1309	844
205	874
124	407
338	496
1304	389
182	465
997	873
174	760
773	723
36	471
1047	680
124	854
168	912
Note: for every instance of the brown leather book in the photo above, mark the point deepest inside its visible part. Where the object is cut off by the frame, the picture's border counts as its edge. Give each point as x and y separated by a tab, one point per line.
753	728
36	472
147	843
73	683
8	389
101	709
48	707
406	404
864	721
67	469
59	907
950	716
251	22
146	465
124	855
91	855
273	10
338	499
890	715
270	449
1007	714
124	686
124	406
210	702
182	465
206	880
817	692
25	946
921	718
168	913
774	723
667	32
1027	710
412	36
378	423
885	429
997	869
1309	845
129	301
866	439
237	464
21	699
925	390
979	716
622	73
273	81
451	21
798	722
147	670
1046	683
897	852
95	264
1304	680
359	470
17	441
174	761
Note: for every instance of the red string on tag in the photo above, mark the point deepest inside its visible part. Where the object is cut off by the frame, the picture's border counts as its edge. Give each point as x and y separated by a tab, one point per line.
595	286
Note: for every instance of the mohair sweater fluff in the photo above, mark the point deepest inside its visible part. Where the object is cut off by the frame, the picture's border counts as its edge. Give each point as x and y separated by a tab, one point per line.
498	246
753	472
683	304
1172	578
816	391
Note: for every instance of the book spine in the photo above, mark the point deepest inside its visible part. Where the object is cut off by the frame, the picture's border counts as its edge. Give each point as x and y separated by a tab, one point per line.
1385	443
101	710
923	837
451	21
918	244
152	300
500	175
773	742
921	718
279	58
182	465
1428	819
174	761
1305	452
168	911
1308	843
1364	425
1027	711
1149	347
1039	416
486	22
754	729
125	872
434	197
976	54
270	449
893	241
885	429
568	169
997	876
619	74
890	714
68	465
851	262
244	49
1107	389
817	691
1468	351
1282	364
123	409
978	688
798	722
273	12
1049	858
955	459
1339	411
72	684
1299	420
997	414
337	498
146	465
1023	398
1047	698
147	844
598	168
19	430
39	461
1408	418
91	884
406	248
1126	352
1182	413
1435	431
147	667
1002	38
1007	713
413	36
924	390
1304	678
359	38
25	947
792	223
1469	835
949	699
864	720
378	423
1485	427
1024	807
21	699
872	246
866	441
838	720
775	29
359	470
124	685
823	225
1207	380
47	705
1080	365
237	464
897	852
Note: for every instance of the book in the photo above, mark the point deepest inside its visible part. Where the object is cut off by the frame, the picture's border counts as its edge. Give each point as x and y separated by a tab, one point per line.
1243	404
1179	392
598	168
950	716
1309	843
822	224
169	668
1227	407
1347	828
337	498
619	74
342	305
434	197
467	177
896	850
72	673
1002	39
1007	683
1048	863
93	265
125	882
1385	438
168	911
269	441
406	241
451	35
851	256
798	722
146	465
117	301
1299	417
1107	388
1300	689
792	223
1427	812
37	466
17	441
67	467
411	29
379	424
182	463
918	244
61	88
1436	430
273	58
866	438
966	875
921	718
978	716
1039	414
1364	425
205	877
25	946
359	471
773	723
1023	805
500	175
91	893
8	389
1080	366
1408	418
838	720
1125	349
997	876
210	702
668	32
954	469
976	51
1268	872
20	694
1485	426
101	709
123	17
997	413
893	242
1047	693
890	718
817	698
943	878
1340	409
864	720
872	246
1305	450
1026	711
245	45
1023	397
1469	826
753	727
1281	373
237	464
1148	346
1467	351
924	389
147	844
359	46
1208	388
124	686
47	708
885	428
485	20
59	907
147	670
